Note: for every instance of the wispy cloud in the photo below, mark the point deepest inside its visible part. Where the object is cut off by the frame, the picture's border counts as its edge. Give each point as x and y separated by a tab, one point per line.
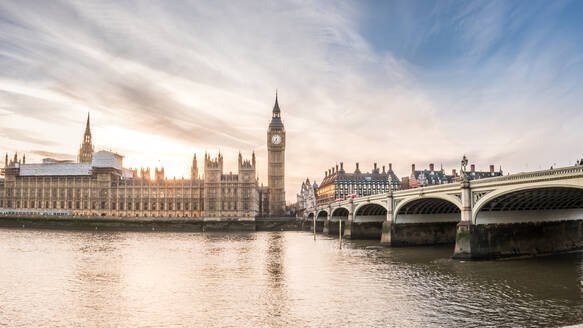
174	78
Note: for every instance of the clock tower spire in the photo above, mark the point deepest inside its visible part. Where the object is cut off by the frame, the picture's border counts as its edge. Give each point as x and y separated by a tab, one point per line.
276	161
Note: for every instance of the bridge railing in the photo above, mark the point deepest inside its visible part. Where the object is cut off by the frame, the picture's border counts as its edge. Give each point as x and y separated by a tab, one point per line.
563	171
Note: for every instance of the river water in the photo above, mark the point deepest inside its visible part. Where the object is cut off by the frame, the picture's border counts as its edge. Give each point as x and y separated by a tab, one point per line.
271	279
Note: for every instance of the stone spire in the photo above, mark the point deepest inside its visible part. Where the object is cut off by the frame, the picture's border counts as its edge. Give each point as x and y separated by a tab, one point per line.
86	149
276	106
276	114
194	168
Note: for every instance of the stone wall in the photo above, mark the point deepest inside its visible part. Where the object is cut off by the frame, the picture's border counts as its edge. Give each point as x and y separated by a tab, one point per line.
365	230
416	234
489	241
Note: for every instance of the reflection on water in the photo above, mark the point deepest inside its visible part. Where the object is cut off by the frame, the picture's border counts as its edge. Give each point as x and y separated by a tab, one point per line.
127	279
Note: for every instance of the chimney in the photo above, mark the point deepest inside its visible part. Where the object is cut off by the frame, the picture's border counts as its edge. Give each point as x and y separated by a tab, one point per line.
341	166
384	169
357	166
491	168
390	167
454	173
431	166
375	167
412	168
325	173
336	168
472	168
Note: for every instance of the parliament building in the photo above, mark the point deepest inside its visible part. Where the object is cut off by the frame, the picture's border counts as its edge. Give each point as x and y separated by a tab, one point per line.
97	184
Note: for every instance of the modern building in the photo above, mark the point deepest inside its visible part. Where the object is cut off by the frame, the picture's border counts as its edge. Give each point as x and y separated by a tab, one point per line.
98	184
337	184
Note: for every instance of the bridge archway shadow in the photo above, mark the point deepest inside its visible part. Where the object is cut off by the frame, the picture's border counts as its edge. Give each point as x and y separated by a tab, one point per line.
426	210
425	221
309	223
528	221
368	221
338	214
532	205
321	220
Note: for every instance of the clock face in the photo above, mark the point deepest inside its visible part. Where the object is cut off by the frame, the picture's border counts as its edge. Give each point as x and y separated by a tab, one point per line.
276	139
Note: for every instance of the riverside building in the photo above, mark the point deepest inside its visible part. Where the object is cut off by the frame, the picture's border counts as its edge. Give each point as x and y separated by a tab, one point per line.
431	177
337	184
98	185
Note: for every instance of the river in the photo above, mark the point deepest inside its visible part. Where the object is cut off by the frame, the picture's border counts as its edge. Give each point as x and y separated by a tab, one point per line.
271	279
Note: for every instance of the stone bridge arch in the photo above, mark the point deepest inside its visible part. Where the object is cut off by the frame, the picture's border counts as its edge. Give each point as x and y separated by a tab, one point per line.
367	222
322	215
531	203
369	209
424	220
339	213
321	218
425	209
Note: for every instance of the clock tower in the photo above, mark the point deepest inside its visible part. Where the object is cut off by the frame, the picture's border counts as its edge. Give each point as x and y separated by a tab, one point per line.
276	162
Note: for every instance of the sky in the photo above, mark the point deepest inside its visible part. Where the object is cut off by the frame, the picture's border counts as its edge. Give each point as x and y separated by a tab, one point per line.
398	82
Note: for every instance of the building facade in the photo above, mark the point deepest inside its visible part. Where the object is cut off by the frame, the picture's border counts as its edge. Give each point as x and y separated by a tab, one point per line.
307	196
338	184
98	184
276	162
431	177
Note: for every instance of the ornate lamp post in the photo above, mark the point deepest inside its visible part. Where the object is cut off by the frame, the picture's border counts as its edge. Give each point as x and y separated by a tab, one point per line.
463	168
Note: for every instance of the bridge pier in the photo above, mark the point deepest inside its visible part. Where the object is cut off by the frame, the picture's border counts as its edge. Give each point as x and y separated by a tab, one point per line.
463	237
386	230
333	227
348	226
326	229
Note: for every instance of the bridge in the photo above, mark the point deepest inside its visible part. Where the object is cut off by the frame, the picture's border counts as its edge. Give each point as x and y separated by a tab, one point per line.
521	214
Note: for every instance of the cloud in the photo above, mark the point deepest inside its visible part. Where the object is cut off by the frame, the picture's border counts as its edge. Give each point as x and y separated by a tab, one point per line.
58	156
23	135
173	78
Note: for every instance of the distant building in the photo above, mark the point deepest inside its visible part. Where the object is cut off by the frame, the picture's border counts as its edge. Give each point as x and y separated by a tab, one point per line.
307	196
98	184
431	177
337	184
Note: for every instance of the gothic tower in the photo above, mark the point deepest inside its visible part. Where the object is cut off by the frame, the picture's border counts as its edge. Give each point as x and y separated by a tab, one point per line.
194	169
276	162
86	150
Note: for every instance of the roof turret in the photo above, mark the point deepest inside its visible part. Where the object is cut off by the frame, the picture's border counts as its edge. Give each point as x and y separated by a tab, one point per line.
276	114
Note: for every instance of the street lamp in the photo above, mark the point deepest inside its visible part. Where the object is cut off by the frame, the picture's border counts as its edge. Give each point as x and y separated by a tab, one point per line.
463	168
